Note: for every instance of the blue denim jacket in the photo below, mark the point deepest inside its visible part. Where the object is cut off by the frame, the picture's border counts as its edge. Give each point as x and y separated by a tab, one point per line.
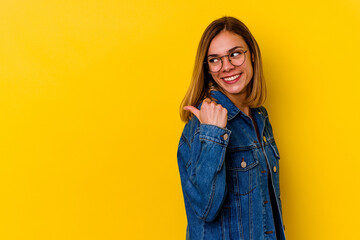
224	177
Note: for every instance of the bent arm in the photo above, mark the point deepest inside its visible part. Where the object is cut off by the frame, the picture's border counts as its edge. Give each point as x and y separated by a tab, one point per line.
202	170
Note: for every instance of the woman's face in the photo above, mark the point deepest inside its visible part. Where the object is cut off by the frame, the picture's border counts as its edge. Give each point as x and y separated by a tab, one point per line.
233	80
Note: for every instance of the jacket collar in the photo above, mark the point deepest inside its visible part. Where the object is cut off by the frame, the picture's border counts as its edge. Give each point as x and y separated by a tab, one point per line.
259	114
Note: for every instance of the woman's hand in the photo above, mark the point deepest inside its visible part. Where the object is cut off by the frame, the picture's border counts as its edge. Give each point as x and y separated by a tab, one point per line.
210	113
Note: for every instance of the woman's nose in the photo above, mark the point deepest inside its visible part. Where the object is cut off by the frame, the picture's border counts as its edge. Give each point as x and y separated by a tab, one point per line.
226	64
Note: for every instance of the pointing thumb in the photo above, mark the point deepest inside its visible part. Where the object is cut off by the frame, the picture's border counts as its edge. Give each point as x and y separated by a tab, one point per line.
193	110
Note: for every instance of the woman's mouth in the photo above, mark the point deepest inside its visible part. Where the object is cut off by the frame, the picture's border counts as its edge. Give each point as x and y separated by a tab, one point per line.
232	79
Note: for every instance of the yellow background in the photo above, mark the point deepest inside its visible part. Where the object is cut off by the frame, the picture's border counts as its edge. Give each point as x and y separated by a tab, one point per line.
89	124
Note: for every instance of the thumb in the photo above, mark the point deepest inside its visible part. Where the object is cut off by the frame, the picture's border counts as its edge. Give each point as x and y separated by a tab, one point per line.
194	110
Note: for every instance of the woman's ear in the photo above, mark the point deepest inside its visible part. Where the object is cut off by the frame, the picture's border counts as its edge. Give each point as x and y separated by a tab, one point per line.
252	57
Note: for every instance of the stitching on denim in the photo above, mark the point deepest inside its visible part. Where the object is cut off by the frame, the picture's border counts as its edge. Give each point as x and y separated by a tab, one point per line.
275	150
245	169
221	163
250	205
181	143
233	116
197	130
247	192
265	121
203	232
210	140
244	148
198	159
185	140
263	110
214	126
188	164
238	199
222	225
203	137
187	143
188	199
193	137
207	209
210	137
244	194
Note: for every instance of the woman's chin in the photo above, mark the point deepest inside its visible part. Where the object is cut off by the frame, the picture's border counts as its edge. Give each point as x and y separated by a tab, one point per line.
234	90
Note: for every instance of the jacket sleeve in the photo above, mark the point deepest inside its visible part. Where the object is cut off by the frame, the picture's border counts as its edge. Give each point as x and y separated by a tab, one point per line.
202	169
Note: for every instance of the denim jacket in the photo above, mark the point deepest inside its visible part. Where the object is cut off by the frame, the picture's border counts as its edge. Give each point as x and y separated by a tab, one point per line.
224	177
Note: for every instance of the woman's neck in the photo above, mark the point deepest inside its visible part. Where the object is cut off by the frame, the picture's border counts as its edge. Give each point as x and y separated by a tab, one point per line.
238	101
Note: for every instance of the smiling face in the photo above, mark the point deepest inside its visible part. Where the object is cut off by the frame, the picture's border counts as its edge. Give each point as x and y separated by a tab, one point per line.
233	80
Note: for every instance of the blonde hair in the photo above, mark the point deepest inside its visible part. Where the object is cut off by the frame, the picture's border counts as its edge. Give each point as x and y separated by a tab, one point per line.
202	83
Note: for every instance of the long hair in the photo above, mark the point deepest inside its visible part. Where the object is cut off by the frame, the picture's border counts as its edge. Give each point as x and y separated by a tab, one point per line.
202	83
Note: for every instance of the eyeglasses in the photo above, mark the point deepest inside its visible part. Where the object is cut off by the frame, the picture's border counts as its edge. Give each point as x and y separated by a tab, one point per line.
236	57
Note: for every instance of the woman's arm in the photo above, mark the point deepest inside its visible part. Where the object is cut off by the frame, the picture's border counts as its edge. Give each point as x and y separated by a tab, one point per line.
202	169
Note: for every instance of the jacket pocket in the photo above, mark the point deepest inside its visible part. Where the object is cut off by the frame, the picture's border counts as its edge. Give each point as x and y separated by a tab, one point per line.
275	167
275	149
241	170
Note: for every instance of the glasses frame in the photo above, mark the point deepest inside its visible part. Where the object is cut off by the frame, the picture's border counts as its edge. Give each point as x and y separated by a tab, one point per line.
228	56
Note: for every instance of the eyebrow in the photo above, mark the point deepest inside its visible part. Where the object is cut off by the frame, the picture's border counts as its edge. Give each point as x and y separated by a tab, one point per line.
231	49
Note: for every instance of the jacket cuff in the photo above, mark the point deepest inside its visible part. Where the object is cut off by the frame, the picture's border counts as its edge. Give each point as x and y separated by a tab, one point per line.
214	133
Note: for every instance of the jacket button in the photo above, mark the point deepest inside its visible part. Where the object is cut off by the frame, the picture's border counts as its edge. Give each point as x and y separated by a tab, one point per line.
225	136
265	202
274	168
264	138
269	232
243	163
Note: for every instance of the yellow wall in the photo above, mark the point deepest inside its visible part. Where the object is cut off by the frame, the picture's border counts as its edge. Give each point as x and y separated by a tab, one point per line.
89	124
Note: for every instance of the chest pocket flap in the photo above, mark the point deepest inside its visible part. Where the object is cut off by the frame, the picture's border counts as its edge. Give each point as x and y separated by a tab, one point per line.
241	171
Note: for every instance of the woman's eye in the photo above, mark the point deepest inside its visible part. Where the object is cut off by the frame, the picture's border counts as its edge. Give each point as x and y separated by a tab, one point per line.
235	54
214	60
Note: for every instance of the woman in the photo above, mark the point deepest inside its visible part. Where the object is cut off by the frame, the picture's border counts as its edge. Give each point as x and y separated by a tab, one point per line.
227	156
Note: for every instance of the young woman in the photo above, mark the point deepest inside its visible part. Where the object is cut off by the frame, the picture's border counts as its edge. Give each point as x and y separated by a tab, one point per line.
227	156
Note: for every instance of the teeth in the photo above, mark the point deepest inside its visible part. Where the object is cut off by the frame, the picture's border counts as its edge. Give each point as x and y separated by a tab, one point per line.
232	78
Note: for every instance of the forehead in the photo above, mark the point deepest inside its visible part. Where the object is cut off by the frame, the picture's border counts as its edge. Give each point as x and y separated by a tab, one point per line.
224	41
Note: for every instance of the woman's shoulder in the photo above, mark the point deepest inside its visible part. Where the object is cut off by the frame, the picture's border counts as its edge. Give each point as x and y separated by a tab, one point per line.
262	110
191	128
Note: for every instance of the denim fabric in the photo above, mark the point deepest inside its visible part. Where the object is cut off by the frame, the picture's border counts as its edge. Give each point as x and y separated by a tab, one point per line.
224	176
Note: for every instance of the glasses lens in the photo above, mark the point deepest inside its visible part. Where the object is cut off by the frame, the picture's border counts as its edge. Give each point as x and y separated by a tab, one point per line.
237	57
214	64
